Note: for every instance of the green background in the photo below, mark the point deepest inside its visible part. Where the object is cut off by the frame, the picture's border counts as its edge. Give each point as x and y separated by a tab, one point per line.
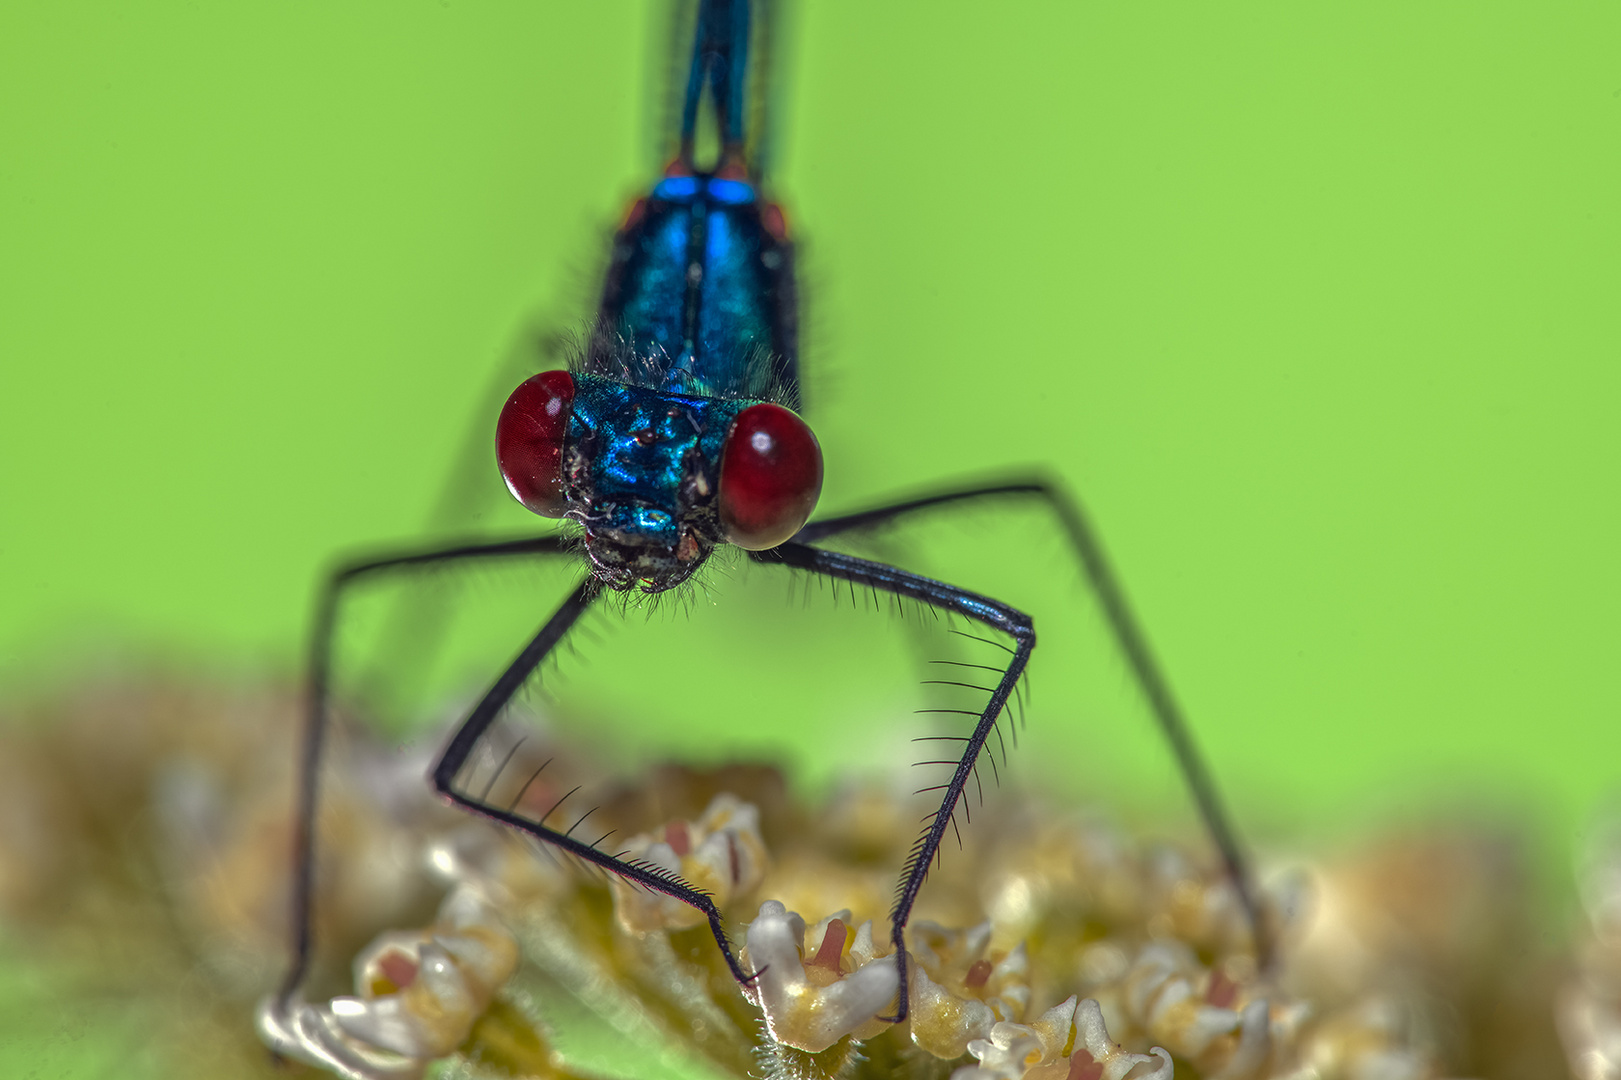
1316	305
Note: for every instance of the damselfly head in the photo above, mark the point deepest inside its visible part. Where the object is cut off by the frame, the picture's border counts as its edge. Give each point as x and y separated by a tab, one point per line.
656	479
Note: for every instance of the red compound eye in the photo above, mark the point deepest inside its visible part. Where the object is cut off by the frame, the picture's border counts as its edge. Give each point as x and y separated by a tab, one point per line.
770	476
529	441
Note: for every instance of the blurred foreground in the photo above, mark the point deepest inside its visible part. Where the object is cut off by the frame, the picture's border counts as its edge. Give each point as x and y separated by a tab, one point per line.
144	831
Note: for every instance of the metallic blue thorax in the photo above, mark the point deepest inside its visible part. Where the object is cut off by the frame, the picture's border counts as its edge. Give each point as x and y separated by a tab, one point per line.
648	457
699	297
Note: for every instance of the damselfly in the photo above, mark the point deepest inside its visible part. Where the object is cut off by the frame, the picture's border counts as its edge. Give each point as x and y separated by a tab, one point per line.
675	431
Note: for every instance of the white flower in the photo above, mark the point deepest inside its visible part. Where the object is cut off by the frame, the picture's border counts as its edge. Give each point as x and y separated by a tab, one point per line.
418	995
1160	996
956	992
722	854
943	1023
839	991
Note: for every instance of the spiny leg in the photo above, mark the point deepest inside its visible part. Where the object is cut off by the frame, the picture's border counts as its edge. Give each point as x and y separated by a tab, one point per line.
949	598
318	714
466	740
1132	642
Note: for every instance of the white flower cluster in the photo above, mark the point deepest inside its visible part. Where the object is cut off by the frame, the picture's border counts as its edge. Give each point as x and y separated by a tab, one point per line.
1164	983
1201	1014
819	984
1242	1029
1068	1040
823	983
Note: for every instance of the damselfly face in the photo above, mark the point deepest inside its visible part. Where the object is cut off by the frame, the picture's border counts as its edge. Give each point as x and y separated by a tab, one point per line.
656	479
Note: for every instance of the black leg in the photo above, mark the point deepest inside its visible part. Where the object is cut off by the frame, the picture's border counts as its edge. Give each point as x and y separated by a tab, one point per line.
318	713
1128	635
992	613
484	713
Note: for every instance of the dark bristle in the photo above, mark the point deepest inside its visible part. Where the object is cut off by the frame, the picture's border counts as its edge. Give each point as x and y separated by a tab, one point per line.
499	769
516	799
